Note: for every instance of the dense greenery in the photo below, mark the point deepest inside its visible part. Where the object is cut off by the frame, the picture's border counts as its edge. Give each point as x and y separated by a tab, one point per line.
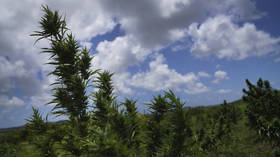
108	128
263	111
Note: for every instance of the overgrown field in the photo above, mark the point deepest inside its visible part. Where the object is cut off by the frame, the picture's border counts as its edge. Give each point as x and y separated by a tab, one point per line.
242	141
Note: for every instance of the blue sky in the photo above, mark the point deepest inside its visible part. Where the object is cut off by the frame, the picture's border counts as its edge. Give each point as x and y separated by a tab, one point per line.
204	52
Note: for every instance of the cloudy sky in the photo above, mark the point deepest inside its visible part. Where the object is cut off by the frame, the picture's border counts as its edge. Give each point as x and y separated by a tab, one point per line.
202	50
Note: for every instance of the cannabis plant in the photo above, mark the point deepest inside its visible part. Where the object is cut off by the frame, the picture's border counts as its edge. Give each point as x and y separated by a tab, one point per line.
71	69
263	110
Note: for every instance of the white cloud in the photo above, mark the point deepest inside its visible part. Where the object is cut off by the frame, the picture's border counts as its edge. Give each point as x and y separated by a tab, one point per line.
224	91
203	74
119	54
176	34
160	77
120	83
143	36
20	61
242	9
141	19
220	37
15	74
12	69
169	7
277	60
86	19
179	48
197	88
220	76
86	44
10	102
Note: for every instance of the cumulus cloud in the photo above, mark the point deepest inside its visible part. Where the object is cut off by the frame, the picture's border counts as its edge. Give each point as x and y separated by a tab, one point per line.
220	76
120	82
86	44
10	102
277	60
85	19
160	77
12	69
179	47
203	74
119	54
151	22
151	25
139	19
220	37
224	91
16	76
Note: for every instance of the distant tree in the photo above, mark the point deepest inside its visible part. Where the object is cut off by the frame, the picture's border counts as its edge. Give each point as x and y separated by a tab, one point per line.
263	110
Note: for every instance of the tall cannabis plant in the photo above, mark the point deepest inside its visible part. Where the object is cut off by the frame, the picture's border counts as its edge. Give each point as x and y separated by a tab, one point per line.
168	132
156	131
217	132
71	69
181	132
104	100
112	131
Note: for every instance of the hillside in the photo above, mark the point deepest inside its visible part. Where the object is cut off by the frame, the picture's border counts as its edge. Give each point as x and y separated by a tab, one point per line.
242	142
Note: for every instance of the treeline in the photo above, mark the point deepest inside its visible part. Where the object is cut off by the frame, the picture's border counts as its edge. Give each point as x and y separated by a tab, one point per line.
100	126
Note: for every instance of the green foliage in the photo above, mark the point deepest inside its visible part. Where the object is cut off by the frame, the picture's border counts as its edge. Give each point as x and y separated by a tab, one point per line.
73	75
39	135
242	141
180	131
103	98
71	68
7	150
218	128
155	127
51	24
168	132
36	123
133	134
227	116
104	141
112	131
263	110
